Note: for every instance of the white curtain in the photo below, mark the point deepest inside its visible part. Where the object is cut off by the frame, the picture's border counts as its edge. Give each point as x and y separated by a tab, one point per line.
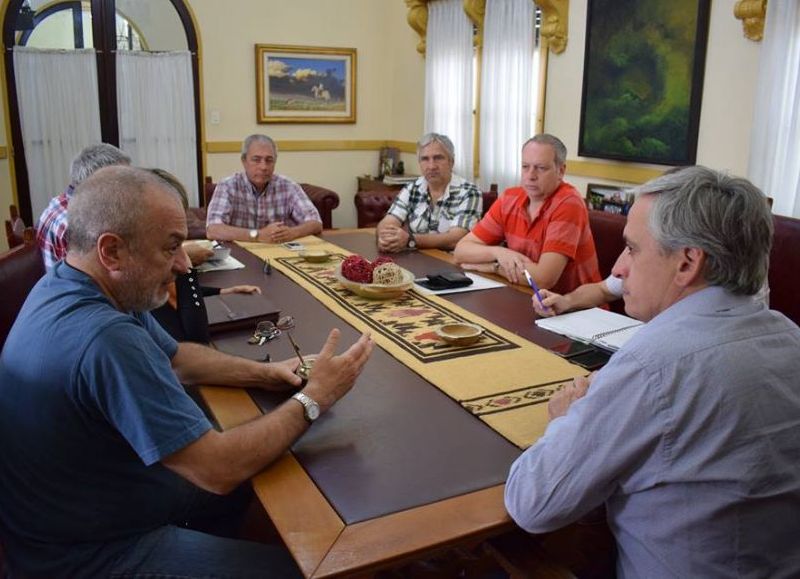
156	113
448	79
59	116
508	89
775	144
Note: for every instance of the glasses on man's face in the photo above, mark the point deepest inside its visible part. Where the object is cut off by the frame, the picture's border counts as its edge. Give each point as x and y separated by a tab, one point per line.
267	331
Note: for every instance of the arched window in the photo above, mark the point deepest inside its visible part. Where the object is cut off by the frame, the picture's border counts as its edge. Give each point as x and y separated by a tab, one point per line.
112	29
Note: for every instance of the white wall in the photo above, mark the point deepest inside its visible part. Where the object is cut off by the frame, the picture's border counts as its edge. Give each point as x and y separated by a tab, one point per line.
390	87
390	81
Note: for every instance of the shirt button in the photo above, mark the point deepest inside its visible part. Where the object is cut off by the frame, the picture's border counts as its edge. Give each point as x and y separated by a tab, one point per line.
194	295
191	279
197	304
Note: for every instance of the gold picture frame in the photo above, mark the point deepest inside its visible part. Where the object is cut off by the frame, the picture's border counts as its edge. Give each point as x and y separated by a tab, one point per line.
305	84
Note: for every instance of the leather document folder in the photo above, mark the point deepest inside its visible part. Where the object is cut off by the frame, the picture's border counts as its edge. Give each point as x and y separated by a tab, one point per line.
239	311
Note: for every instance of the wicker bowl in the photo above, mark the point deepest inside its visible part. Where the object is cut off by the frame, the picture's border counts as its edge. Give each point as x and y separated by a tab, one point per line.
375	291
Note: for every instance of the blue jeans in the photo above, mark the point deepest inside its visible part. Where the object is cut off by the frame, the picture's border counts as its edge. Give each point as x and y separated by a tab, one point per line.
174	552
202	544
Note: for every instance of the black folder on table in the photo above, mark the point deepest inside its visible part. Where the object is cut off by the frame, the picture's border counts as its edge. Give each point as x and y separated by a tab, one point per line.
239	311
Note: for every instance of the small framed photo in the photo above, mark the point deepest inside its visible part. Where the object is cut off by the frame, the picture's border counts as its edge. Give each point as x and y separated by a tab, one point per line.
305	84
387	161
608	198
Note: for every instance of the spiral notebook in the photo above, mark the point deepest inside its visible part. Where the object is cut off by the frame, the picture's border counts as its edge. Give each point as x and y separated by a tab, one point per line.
594	326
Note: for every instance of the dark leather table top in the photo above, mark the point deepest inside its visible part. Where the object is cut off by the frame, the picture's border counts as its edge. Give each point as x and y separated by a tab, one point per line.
395	441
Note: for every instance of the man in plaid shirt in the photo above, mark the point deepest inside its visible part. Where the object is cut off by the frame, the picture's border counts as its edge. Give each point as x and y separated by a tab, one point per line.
436	210
51	230
259	205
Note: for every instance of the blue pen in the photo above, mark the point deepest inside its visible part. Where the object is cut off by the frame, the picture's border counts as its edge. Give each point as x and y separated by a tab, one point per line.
535	289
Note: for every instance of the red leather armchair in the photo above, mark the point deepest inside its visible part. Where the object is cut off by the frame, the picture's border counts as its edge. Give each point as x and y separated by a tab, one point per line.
323	199
373	203
20	269
784	267
784	259
607	232
609	243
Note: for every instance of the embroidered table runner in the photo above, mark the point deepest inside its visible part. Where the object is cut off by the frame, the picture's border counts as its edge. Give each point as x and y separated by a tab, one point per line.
502	379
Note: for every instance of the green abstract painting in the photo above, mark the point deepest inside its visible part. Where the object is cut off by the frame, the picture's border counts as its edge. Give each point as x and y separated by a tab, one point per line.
643	80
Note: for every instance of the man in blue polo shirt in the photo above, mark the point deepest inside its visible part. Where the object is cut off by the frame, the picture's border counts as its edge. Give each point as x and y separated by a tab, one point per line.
105	458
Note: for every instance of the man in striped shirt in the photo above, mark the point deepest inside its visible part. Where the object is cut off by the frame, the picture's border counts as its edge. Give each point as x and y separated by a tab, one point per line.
258	204
544	224
51	230
436	210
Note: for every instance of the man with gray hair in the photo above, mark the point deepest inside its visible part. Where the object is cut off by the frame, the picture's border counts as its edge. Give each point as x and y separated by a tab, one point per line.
436	210
259	205
107	464
51	230
689	435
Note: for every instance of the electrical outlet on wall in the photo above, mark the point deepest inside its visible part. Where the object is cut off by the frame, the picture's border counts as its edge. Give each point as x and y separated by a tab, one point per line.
215	117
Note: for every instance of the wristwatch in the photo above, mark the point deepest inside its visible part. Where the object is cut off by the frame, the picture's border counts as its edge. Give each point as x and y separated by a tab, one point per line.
412	241
253	234
310	407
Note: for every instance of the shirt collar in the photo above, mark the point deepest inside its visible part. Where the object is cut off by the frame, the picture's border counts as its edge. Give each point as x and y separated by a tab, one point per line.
455	181
252	188
709	299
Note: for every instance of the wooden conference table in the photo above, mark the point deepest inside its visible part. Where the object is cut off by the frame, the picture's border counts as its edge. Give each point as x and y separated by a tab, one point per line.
396	470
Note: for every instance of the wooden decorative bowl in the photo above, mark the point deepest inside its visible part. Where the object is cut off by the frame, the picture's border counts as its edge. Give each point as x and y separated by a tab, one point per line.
459	334
374	291
315	255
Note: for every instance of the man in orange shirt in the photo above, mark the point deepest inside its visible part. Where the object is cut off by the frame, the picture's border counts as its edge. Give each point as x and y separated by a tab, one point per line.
544	224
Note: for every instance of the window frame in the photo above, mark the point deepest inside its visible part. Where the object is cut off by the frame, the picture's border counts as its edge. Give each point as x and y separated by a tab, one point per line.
104	37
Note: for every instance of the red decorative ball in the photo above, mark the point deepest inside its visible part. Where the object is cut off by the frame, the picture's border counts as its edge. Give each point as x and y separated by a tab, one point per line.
357	269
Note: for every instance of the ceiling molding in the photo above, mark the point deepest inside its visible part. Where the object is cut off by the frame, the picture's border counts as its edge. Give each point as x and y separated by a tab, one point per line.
475	11
418	20
752	13
555	23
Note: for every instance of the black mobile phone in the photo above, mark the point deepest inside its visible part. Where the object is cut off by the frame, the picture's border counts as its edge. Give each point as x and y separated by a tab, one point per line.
591	360
446	280
571	349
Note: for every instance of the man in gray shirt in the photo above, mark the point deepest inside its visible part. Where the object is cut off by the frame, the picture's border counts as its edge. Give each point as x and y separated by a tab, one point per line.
690	435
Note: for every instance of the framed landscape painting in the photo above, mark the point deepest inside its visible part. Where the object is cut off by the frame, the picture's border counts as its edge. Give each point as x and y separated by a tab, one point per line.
643	80
305	84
